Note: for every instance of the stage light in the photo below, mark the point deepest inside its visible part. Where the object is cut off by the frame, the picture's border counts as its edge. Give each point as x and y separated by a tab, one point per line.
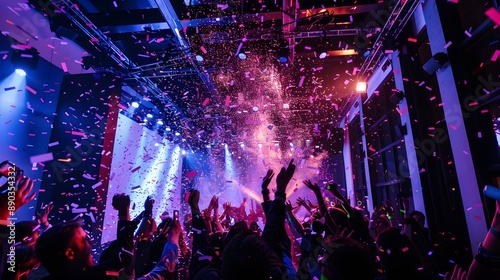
156	144
20	72
183	152
284	52
242	145
25	58
160	122
242	56
286	106
177	134
149	115
321	51
168	128
135	104
260	146
361	87
199	58
255	108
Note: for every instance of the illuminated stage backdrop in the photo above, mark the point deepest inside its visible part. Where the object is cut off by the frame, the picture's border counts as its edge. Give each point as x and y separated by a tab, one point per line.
143	165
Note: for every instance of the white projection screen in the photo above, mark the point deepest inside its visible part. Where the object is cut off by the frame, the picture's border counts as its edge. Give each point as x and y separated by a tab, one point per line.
143	165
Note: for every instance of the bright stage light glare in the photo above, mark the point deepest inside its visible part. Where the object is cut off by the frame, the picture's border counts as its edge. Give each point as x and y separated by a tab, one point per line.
361	87
135	104
160	122
183	152
260	146
20	72
148	115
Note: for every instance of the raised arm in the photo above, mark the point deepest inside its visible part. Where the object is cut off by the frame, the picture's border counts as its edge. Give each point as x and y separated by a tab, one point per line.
487	261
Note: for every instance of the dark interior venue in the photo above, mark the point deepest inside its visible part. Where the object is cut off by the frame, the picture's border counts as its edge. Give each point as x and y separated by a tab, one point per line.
250	139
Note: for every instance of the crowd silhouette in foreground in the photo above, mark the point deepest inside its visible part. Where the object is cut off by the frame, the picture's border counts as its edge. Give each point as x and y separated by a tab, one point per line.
330	243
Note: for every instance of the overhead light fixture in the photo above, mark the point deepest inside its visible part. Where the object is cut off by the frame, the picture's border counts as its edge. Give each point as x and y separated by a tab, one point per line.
284	52
135	104
20	72
25	58
361	87
242	56
321	51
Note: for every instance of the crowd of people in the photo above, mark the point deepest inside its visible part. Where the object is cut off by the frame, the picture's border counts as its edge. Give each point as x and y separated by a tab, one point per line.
331	242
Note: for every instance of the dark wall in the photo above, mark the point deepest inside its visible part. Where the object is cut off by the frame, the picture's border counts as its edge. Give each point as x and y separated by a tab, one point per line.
82	136
26	115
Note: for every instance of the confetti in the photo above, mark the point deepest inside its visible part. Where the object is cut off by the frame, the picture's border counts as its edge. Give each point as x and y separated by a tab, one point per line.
42	158
494	15
495	55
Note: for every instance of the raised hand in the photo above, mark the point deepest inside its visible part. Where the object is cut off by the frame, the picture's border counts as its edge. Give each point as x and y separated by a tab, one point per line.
20	189
193	200
334	189
43	215
300	201
457	274
288	206
284	177
313	187
120	201
148	205
267	179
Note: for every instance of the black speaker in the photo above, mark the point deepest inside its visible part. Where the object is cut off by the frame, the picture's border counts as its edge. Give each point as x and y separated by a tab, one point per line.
437	61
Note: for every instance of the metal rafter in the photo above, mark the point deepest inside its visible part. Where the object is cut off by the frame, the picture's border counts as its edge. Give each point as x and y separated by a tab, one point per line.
97	37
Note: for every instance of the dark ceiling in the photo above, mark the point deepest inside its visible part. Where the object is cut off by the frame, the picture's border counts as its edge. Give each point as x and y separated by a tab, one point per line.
154	46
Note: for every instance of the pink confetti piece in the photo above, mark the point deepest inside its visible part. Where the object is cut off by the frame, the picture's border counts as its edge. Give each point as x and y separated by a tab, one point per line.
5	56
115	4
96	185
13	148
192	174
453	1
31	89
77	133
412	40
206	101
63	65
468	33
202	48
53	144
301	82
447	44
453	127
494	15
228	100
41	158
495	55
